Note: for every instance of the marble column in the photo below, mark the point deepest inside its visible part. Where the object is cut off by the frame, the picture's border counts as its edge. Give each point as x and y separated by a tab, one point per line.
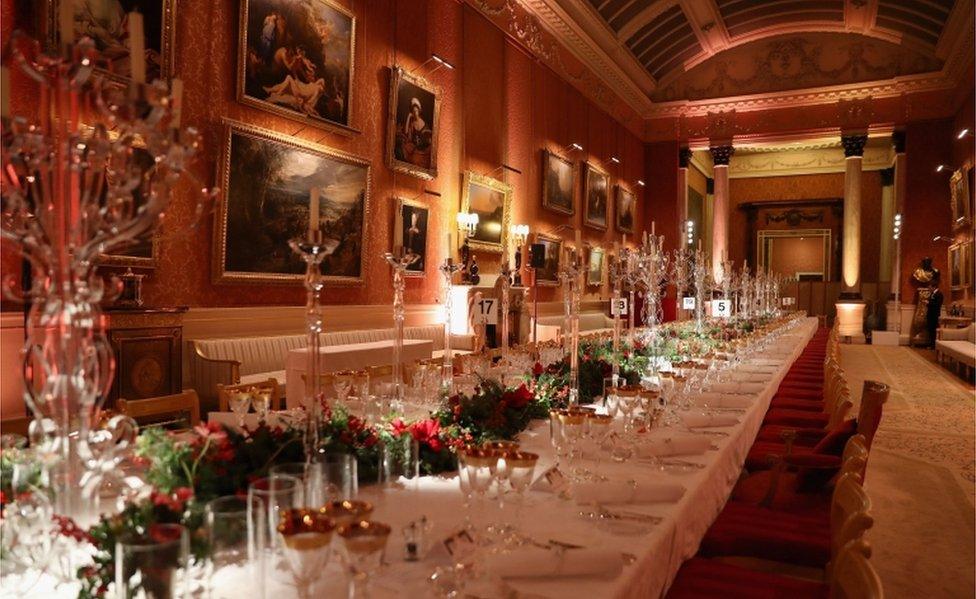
684	161
887	221
850	307
899	312
720	208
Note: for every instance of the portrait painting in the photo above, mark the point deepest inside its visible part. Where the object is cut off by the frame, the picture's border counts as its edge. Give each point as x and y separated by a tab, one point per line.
142	253
297	59
626	209
106	22
956	266
558	183
410	233
959	196
412	127
548	275
596	194
489	199
268	182
594	270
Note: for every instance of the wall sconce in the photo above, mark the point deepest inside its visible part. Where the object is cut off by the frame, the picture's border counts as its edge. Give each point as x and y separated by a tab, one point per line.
640	182
442	63
467	223
520	233
944	238
614	160
574	147
689	232
962	133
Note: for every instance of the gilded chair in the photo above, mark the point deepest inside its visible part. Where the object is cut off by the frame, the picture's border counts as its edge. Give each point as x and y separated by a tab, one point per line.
166	411
269	386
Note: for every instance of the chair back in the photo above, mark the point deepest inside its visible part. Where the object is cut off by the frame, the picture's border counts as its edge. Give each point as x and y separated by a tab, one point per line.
269	386
873	398
851	574
849	498
181	407
840	412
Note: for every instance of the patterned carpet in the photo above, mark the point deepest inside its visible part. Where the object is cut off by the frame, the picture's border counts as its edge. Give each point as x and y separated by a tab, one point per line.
922	474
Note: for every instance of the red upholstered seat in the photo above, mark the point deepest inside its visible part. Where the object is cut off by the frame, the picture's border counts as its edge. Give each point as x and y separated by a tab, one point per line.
749	530
800	418
795	393
700	578
773	433
758	456
807	405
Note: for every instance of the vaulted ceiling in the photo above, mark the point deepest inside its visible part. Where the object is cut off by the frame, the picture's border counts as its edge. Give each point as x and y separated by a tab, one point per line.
667	51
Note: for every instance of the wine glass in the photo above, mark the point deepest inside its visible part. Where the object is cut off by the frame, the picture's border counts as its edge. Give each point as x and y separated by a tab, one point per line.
349	511
477	464
597	429
343	381
234	547
364	543
152	563
521	471
261	402
628	398
306	536
360	381
311	476
240	403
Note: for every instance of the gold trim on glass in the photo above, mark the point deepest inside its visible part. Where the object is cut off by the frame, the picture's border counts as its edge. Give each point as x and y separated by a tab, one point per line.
398	73
473	178
220	220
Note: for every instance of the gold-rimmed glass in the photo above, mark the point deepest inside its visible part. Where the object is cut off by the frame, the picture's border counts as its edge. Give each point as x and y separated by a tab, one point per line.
306	538
239	403
364	543
342	382
521	472
347	512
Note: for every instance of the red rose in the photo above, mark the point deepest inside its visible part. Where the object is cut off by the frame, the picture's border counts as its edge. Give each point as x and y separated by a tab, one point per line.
398	426
537	369
518	398
427	432
183	494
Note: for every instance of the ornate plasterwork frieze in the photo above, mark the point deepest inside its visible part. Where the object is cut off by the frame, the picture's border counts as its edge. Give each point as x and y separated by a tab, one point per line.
807	161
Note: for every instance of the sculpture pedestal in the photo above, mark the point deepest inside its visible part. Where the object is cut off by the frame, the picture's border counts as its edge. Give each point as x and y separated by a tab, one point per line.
850	318
902	313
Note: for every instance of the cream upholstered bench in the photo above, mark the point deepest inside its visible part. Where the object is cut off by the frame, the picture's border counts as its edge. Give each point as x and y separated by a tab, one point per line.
236	360
550	327
958	345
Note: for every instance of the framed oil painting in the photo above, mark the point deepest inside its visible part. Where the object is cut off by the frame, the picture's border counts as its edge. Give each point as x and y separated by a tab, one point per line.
548	275
626	210
143	253
558	183
297	58
490	199
267	181
594	270
106	23
596	195
410	232
412	127
959	195
956	266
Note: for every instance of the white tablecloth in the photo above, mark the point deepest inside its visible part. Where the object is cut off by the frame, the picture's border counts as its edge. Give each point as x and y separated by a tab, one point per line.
659	553
348	357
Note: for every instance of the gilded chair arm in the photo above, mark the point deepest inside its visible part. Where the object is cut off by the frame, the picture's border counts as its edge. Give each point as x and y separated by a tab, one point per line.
207	373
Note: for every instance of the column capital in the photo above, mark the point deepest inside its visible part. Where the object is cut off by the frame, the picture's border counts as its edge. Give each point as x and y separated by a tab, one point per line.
898	141
853	144
684	157
721	154
887	176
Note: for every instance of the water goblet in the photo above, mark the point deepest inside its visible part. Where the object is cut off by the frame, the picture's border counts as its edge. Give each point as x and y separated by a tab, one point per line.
360	382
311	477
261	402
306	537
342	382
477	465
240	403
339	476
348	511
235	548
152	563
521	471
364	543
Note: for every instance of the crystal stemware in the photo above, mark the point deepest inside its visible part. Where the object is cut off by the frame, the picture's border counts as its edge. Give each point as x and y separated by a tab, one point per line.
364	543
306	536
343	382
235	548
521	472
261	402
240	403
477	465
152	563
347	512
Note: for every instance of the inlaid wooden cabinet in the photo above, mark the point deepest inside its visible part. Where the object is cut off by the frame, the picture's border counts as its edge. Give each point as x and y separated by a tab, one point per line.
148	347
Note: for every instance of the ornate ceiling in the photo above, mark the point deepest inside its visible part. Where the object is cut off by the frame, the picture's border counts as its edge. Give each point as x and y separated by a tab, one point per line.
681	59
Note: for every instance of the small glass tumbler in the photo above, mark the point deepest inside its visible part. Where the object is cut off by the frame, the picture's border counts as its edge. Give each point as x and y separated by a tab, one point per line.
236	544
152	564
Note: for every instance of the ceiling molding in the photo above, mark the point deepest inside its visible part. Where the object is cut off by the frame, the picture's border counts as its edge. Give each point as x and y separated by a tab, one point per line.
806	161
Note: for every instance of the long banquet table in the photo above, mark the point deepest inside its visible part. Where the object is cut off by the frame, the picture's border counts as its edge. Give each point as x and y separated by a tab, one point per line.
657	554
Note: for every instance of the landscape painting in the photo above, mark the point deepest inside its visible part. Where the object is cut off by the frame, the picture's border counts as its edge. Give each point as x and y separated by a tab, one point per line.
489	199
558	183
267	181
596	197
297	59
548	275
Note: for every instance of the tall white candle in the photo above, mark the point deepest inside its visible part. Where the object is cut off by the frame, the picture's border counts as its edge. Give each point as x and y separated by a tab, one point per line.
653	225
137	47
313	213
66	21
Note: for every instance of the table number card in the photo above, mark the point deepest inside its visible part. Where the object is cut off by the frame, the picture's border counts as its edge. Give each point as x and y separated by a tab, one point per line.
688	303
723	308
486	311
618	307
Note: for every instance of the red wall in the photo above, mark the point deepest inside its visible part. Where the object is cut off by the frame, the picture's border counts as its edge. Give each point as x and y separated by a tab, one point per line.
498	105
809	187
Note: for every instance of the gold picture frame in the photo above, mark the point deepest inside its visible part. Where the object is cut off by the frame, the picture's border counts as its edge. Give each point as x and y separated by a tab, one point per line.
550	187
596	197
959	196
960	261
595	266
490	192
399	148
354	244
421	243
548	275
251	55
167	37
625	209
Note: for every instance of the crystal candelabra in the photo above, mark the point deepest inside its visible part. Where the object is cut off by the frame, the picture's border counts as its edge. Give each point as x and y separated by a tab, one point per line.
570	274
506	285
71	193
745	292
448	268
313	251
701	278
631	278
399	261
680	275
618	272
653	274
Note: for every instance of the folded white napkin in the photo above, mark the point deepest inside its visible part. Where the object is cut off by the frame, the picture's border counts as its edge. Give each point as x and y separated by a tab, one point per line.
693	420
543	563
723	400
761	368
675	445
766	362
740	388
625	492
751	377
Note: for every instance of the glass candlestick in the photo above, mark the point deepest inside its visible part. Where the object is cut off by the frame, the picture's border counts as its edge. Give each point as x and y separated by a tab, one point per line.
617	274
402	259
506	280
312	251
570	275
448	268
